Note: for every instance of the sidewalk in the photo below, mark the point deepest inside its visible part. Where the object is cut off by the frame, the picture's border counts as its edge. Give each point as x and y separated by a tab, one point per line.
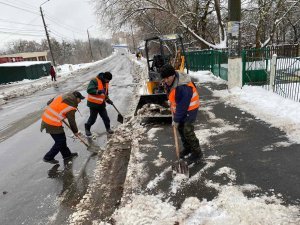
250	170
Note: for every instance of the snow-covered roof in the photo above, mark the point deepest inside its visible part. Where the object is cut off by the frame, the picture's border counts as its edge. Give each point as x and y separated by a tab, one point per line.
25	63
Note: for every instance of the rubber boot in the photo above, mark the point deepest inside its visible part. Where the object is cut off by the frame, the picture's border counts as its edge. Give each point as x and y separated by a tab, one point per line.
87	130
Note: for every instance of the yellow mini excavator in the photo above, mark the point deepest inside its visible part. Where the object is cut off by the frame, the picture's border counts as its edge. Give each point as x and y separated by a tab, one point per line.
160	50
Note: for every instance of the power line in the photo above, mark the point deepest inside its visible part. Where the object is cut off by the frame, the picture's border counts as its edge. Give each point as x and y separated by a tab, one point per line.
13	22
18	29
26	10
25	34
3	39
59	35
25	4
68	27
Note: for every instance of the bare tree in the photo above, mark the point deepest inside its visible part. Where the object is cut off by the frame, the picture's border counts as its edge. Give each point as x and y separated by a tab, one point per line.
184	15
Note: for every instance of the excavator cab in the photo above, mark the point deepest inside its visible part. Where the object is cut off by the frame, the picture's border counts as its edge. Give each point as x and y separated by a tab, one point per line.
160	50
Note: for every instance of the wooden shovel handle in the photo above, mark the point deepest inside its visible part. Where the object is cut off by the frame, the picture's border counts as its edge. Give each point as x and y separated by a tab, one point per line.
80	138
176	142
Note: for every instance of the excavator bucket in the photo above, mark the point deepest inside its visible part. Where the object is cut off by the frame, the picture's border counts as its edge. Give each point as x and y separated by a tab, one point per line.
154	108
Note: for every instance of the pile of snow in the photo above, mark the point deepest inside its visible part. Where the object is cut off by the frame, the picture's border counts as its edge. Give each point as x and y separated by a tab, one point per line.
27	87
153	110
24	63
231	205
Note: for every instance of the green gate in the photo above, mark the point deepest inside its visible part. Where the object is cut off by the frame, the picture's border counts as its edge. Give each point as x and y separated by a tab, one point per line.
220	64
199	60
256	66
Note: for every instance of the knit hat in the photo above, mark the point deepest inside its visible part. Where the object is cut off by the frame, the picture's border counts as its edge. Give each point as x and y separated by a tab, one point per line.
107	75
166	71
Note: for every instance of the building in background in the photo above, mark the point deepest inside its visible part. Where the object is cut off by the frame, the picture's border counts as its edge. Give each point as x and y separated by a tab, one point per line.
24	56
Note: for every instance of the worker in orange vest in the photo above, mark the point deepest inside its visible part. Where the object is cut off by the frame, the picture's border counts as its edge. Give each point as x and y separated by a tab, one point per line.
97	97
59	108
184	103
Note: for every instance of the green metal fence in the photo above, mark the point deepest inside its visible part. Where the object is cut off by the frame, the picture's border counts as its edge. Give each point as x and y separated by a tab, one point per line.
256	66
220	63
255	62
215	61
287	77
199	60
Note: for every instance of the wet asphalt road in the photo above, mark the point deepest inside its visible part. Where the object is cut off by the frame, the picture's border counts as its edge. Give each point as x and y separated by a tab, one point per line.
34	192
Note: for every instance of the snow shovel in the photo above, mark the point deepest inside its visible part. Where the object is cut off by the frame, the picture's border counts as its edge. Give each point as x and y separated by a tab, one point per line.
120	118
89	147
180	166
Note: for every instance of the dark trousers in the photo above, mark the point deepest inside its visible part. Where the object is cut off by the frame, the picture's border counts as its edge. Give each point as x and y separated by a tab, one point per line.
53	78
188	137
60	145
93	116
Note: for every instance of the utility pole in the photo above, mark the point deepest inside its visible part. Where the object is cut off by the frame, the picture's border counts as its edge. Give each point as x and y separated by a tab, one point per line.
235	75
87	30
47	34
133	40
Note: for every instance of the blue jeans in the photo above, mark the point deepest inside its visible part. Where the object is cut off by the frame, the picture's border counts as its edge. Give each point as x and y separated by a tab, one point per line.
60	145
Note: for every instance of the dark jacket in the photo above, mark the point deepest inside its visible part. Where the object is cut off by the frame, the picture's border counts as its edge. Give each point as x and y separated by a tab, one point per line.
52	71
71	100
183	97
92	89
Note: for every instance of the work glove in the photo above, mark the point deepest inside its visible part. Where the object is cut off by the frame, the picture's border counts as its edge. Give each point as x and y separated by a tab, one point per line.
175	124
99	92
109	101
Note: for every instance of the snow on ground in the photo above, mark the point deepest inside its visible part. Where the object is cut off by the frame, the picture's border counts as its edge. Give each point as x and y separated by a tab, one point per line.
280	112
27	87
231	206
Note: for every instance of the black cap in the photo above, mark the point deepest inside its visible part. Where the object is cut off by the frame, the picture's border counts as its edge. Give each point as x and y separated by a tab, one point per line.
77	94
107	75
166	71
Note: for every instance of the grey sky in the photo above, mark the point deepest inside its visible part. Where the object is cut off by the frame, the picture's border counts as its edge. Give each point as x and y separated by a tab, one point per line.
66	19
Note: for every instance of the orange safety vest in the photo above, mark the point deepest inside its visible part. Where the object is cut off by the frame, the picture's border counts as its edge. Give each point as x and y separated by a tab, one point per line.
194	103
56	112
98	99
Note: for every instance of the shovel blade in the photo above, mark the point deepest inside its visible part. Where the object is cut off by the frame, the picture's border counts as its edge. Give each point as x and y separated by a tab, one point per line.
120	118
181	167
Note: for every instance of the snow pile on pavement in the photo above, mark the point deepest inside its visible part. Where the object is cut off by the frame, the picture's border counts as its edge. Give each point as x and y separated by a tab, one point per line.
266	105
27	87
280	112
230	206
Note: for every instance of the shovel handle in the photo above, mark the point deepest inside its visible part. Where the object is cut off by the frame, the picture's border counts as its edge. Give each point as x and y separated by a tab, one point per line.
80	138
116	108
176	142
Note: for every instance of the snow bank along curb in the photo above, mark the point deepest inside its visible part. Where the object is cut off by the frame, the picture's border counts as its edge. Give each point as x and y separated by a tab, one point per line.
230	206
29	87
100	192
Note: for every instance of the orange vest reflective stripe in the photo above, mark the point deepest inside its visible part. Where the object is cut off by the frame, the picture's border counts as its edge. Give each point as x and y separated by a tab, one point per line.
56	112
194	103
98	99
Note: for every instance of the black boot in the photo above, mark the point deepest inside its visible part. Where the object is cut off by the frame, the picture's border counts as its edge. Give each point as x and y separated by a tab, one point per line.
194	157
184	153
52	161
109	131
71	156
87	130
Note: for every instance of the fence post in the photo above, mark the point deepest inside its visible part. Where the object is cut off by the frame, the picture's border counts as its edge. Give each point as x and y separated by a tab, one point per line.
273	72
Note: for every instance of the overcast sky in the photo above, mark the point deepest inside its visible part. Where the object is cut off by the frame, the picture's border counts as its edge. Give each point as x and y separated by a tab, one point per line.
66	19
